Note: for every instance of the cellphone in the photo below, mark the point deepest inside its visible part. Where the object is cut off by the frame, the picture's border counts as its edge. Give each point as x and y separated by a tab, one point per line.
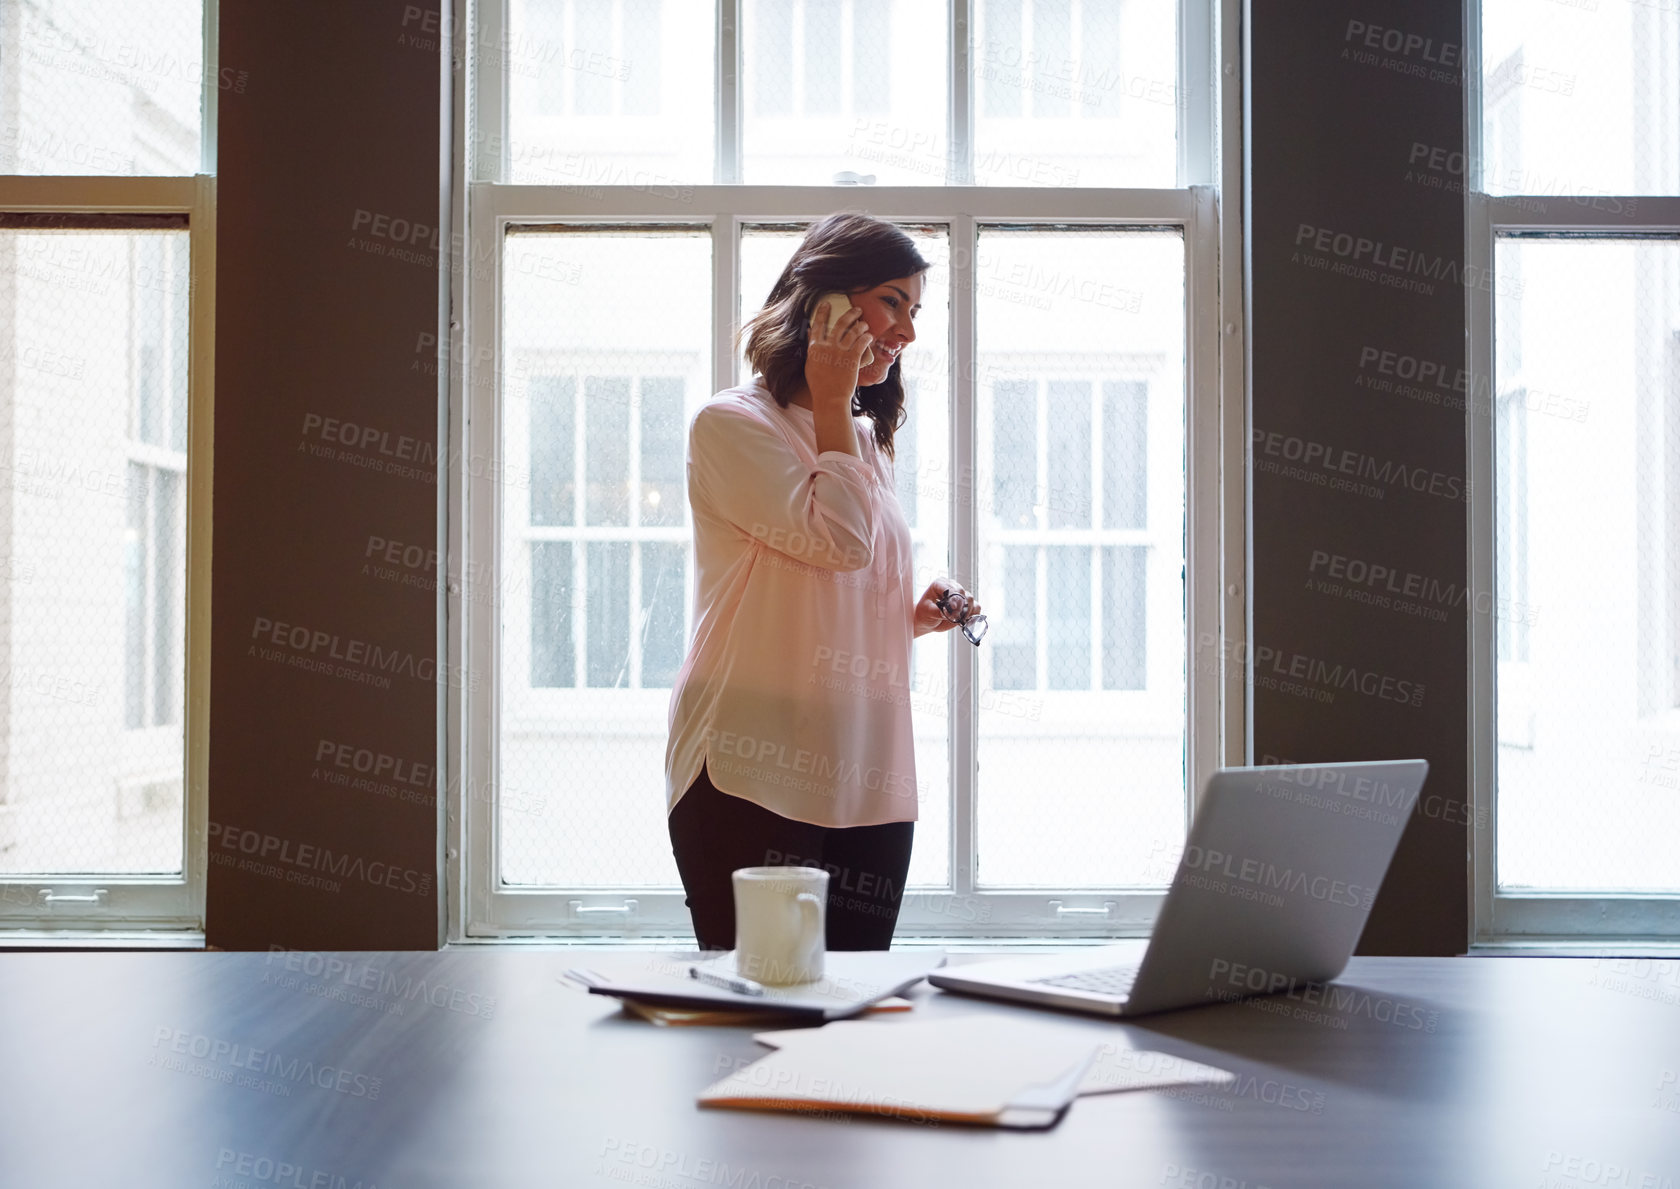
838	303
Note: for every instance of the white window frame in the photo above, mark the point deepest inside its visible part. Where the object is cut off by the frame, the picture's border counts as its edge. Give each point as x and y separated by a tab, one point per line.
1525	921
120	908
1215	440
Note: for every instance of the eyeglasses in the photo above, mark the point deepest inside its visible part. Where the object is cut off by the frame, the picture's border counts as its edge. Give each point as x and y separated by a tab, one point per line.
953	605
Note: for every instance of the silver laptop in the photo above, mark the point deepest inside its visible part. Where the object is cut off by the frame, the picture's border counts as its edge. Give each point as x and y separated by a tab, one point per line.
1272	890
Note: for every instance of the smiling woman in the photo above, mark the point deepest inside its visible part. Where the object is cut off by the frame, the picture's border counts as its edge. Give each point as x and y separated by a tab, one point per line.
790	719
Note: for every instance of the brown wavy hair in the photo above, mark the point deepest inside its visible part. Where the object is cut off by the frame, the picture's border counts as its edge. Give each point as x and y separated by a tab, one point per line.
848	251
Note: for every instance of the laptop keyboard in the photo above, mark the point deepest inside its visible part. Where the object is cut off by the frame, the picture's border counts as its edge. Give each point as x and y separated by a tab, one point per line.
1111	980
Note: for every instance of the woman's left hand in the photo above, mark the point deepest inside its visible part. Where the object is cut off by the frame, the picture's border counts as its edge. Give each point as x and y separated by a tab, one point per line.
928	616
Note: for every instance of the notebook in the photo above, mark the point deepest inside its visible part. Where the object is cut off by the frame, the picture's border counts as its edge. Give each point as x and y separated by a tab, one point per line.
682	1017
852	980
983	1070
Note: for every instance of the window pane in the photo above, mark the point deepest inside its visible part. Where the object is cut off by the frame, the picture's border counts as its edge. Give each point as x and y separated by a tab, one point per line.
924	480
1076	93
607	617
664	451
152	345
592	89
905	466
1578	99
822	59
92	749
607	93
1111	727
1511	530
553	661
1125	454
168	647
134	604
1015	638
173	277
772	59
1001	36
871	81
533	24
664	594
1588	568
802	127
593	632
606	448
1125	639
642	86
1014	452
1068	428
1051	43
1068	610
103	86
553	415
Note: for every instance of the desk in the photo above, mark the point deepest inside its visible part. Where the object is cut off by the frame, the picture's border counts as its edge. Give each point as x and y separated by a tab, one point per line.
477	1067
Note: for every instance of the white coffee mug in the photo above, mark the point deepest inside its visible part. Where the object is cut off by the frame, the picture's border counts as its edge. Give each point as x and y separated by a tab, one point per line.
780	932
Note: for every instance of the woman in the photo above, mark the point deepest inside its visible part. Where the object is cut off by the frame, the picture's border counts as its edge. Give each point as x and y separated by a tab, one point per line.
790	720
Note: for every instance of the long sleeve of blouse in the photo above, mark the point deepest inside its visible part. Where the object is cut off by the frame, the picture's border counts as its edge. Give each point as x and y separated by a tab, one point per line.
796	690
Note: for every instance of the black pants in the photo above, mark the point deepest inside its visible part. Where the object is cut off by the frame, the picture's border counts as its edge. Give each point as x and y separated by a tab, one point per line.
713	833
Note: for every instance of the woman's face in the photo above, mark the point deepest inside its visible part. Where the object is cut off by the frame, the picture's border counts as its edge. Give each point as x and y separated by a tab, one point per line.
889	310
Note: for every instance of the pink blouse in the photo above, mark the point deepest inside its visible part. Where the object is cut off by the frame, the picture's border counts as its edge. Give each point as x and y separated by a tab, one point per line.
796	691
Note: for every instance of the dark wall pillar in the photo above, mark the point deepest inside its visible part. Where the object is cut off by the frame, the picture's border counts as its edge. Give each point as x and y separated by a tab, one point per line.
1358	431
323	821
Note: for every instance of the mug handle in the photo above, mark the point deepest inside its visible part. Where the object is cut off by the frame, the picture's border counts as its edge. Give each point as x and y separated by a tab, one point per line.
810	909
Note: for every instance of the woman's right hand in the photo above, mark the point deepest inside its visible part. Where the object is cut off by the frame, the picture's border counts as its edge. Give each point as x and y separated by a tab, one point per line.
834	355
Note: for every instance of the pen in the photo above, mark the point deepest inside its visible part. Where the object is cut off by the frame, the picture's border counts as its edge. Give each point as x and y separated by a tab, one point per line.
729	982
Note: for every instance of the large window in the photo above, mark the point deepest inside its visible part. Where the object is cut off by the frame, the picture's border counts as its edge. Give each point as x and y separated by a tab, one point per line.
104	288
641	172
1575	222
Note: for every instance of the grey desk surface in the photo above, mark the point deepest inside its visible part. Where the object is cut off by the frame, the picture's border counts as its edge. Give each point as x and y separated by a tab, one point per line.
477	1067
